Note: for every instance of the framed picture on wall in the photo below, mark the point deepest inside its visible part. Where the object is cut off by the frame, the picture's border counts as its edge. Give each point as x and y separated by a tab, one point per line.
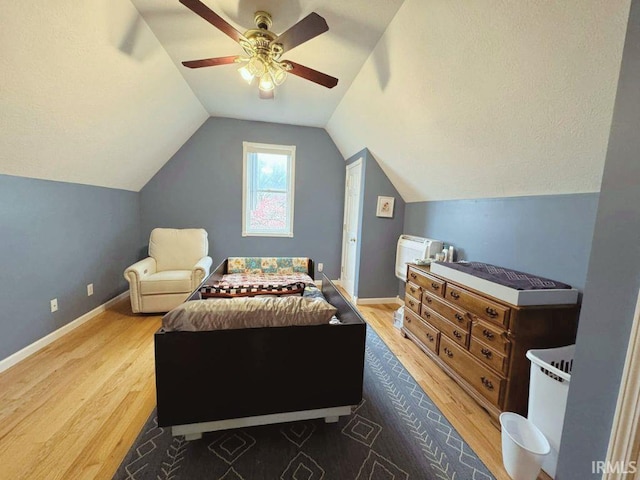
385	207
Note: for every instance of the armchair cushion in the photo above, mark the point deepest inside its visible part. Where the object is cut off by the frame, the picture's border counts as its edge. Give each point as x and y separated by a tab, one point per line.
178	249
169	281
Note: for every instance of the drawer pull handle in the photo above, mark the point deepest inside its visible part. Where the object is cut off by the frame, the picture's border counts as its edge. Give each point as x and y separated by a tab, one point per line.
411	303
435	286
454	295
408	320
426	314
491	312
487	353
457	334
428	300
488	334
413	290
448	352
430	337
413	275
487	383
459	317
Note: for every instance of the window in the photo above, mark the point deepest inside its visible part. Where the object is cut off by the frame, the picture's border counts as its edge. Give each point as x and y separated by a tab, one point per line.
267	194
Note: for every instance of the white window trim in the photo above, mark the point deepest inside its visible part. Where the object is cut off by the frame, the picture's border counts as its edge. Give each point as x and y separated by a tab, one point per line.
250	147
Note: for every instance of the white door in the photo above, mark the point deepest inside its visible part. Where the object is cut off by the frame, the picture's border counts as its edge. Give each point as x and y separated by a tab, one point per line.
350	238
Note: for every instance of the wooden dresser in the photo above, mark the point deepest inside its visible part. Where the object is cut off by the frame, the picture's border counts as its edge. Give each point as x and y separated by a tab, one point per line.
480	341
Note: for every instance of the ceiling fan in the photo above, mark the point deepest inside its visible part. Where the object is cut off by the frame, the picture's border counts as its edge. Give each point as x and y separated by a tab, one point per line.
264	49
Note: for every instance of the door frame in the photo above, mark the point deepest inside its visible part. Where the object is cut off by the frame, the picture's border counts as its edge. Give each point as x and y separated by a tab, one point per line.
358	163
624	444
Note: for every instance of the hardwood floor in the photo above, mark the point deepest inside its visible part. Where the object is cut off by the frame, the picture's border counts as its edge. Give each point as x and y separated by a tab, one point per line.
73	409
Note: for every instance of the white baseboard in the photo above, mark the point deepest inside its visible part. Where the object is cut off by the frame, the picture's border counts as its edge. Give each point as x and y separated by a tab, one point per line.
20	355
377	301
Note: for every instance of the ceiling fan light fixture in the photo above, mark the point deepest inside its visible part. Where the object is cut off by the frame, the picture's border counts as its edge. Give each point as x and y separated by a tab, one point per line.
256	66
246	74
277	72
266	83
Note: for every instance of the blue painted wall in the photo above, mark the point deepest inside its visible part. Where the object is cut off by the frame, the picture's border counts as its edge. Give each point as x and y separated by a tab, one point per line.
201	186
613	282
375	276
543	235
55	239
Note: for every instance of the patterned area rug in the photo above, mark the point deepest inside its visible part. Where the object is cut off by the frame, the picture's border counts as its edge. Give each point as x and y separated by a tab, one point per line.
396	433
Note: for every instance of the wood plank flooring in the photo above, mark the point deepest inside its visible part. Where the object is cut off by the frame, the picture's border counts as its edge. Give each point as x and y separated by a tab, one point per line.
73	409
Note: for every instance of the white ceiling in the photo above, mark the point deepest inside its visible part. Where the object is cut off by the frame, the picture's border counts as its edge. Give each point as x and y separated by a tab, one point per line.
80	102
489	99
455	99
355	27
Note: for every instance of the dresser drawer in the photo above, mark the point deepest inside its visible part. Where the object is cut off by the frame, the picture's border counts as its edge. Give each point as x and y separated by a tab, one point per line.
454	315
412	303
454	332
491	335
482	307
428	335
487	383
427	282
489	356
414	290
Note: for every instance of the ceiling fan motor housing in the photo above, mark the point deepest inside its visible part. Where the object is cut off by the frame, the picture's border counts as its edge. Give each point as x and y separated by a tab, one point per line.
262	20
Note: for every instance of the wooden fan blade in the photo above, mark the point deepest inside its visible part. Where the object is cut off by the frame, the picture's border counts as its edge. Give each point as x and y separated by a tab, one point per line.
266	95
313	75
213	18
210	62
309	27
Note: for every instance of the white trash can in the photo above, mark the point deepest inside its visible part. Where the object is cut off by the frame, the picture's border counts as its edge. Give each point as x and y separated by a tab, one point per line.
548	392
398	317
523	447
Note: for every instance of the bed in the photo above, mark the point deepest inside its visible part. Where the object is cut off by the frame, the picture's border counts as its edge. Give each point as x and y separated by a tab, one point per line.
234	377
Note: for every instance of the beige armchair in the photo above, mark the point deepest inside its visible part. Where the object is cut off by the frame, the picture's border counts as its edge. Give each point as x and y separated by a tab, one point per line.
178	261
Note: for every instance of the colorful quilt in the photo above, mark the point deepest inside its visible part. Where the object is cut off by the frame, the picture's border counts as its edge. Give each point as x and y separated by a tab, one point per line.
209	291
270	265
263	279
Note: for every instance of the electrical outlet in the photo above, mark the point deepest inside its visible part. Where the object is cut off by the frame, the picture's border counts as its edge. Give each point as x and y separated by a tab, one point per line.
54	305
89	289
320	267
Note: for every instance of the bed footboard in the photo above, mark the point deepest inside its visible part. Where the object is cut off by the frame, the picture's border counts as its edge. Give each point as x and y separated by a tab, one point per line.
217	376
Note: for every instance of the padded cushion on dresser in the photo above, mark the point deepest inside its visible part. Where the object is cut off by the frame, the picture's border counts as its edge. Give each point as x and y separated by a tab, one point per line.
507	277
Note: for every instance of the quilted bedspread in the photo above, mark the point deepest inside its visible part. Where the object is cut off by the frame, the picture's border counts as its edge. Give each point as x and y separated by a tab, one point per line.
234	279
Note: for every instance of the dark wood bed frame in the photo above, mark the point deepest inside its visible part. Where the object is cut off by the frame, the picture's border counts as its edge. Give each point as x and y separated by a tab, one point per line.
215	380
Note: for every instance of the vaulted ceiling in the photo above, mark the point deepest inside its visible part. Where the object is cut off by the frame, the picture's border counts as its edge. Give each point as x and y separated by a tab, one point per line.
455	99
354	30
489	98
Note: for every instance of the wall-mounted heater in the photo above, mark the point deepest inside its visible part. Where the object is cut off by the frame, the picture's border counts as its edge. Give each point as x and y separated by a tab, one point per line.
411	248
